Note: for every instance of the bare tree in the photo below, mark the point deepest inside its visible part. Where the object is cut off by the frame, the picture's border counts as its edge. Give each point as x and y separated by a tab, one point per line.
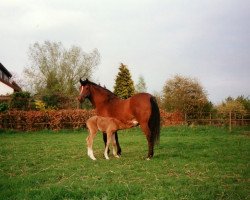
55	69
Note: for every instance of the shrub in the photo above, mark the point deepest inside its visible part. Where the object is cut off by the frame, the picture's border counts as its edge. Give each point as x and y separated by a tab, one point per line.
170	119
51	101
3	107
20	100
59	101
40	105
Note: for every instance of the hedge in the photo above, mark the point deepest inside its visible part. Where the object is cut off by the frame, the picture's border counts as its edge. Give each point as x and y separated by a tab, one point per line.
171	119
38	120
62	119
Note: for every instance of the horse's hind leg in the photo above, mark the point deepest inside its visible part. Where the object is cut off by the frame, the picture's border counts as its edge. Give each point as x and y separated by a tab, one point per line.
147	132
114	146
89	140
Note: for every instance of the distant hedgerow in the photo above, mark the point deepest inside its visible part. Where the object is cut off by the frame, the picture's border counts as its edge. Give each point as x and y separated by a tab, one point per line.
63	119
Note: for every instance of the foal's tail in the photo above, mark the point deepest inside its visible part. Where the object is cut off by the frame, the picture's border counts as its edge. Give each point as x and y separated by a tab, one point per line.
154	121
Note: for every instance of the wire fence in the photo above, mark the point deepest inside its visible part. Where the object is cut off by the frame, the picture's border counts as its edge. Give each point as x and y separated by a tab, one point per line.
229	119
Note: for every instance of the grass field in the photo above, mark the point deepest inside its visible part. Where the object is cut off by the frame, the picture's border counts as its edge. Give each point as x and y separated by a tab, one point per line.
190	163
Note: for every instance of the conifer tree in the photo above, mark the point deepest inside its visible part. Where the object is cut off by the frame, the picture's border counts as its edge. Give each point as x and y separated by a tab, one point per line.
141	85
124	85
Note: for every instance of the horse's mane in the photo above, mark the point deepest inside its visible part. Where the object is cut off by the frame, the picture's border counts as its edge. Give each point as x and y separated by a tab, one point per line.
110	94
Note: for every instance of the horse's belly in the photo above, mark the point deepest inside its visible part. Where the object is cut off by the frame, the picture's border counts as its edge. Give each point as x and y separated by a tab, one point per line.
120	112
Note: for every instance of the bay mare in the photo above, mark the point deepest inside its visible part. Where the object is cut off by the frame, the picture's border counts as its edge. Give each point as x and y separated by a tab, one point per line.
142	107
109	126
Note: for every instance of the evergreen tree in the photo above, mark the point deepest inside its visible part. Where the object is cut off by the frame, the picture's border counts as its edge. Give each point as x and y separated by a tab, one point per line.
124	85
141	85
245	101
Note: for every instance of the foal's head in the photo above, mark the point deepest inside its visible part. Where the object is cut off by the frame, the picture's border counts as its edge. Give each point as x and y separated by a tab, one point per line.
126	125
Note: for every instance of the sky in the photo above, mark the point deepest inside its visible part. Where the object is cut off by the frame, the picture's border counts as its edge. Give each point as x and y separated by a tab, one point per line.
204	39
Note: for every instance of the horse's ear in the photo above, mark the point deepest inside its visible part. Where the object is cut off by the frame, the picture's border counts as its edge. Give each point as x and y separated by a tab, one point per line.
81	81
84	82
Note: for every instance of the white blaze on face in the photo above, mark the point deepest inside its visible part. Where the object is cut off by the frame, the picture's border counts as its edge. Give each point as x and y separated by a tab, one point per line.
81	90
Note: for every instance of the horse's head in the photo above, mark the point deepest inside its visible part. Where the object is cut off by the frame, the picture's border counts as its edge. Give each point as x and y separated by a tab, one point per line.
84	90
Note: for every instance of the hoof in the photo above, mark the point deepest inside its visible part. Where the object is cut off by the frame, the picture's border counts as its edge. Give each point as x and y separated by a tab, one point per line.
119	152
92	158
117	156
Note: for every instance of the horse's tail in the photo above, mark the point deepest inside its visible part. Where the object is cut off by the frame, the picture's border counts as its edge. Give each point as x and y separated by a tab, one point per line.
154	121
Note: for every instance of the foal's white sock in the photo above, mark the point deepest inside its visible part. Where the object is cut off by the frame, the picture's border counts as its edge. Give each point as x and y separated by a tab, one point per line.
91	154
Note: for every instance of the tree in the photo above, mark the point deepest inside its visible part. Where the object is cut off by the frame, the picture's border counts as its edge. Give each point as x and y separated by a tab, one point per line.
231	105
186	95
245	101
17	79
141	85
55	69
158	97
124	85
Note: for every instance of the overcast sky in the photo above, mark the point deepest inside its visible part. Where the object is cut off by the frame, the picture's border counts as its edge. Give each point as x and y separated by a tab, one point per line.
205	39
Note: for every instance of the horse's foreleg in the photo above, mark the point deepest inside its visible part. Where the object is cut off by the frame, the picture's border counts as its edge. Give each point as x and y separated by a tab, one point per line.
119	150
104	136
109	135
89	141
114	146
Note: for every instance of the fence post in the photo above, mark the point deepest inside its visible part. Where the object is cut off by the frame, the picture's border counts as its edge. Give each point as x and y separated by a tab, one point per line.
235	119
230	121
210	119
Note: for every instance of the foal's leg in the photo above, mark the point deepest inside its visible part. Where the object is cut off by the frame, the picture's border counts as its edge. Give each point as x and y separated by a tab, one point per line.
109	135
89	140
114	146
119	150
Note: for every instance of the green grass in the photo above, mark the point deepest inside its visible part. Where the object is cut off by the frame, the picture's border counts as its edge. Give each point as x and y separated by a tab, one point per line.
190	163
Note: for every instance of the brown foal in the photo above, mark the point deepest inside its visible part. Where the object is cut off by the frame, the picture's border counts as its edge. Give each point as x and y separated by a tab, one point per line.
108	125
